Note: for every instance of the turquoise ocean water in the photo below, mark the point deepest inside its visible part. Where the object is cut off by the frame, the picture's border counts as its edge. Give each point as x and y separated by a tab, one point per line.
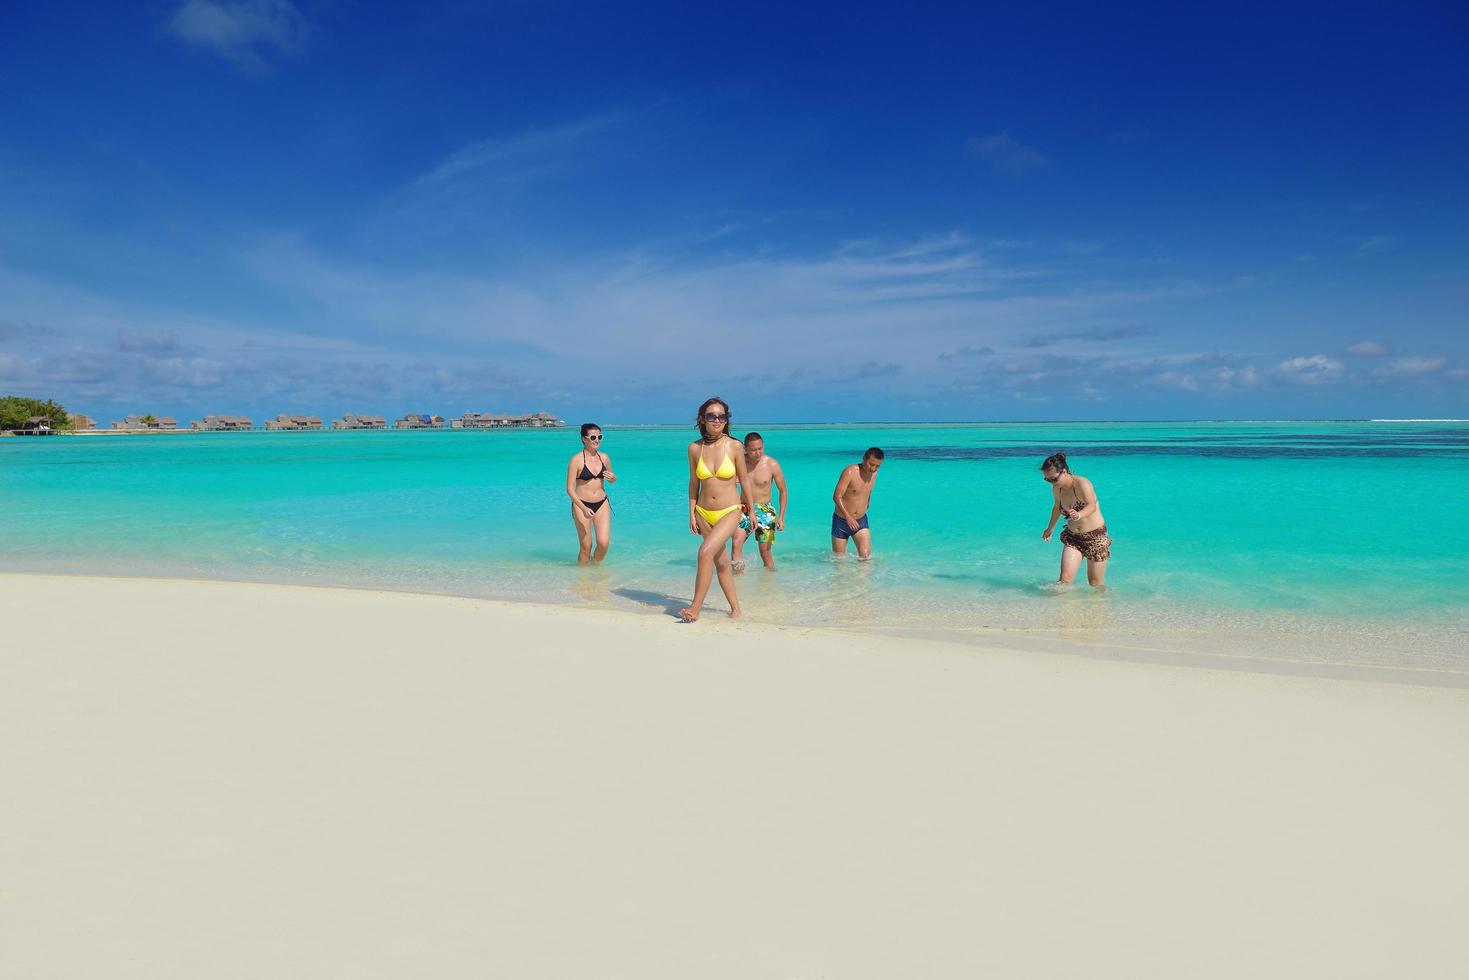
1296	543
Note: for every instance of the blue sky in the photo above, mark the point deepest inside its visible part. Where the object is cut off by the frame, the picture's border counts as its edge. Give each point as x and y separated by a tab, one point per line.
817	211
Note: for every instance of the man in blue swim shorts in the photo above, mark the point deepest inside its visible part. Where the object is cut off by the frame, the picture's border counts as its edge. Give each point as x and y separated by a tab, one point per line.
852	497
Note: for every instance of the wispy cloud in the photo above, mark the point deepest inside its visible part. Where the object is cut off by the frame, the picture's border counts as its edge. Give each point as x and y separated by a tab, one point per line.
932	320
91	378
1006	154
1372	244
12	331
148	342
1369	348
965	352
1104	377
1412	367
249	33
536	153
1099	334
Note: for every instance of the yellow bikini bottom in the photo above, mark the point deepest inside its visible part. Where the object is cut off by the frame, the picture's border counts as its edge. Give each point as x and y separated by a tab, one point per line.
713	516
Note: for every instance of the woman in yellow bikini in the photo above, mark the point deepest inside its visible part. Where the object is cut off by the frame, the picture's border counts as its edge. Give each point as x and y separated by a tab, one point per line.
717	481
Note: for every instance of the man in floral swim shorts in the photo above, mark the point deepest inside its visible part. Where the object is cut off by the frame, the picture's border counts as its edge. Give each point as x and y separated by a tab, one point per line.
765	478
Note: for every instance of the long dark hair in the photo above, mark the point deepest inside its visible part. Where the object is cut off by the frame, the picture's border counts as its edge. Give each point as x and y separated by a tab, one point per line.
699	418
1057	462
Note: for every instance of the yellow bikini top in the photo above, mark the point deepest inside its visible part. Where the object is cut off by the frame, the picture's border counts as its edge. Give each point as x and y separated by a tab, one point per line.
726	469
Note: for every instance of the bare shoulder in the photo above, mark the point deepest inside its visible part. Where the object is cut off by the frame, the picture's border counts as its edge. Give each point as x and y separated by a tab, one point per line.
1083	483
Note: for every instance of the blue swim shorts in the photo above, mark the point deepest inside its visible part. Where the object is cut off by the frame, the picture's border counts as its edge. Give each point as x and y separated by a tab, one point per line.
839	527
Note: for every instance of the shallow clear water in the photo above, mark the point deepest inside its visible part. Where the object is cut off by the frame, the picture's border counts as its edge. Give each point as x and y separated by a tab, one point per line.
1312	541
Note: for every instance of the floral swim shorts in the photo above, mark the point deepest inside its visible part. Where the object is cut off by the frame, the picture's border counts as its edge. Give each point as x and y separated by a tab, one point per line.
764	523
1093	545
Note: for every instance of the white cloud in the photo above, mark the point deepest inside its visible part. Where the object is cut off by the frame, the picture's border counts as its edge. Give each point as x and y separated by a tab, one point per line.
1314	370
244	31
899	305
1006	153
1369	348
1179	380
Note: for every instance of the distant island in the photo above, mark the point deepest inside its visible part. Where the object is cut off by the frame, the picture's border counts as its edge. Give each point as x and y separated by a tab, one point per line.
30	416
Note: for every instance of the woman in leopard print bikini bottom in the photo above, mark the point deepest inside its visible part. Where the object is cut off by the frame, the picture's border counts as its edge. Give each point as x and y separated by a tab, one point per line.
1084	538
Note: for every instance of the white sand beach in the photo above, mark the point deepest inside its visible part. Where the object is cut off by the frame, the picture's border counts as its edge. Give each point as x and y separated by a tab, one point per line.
210	780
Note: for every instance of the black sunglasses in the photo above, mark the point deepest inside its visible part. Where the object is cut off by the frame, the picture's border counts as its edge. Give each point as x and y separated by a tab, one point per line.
1050	479
716	417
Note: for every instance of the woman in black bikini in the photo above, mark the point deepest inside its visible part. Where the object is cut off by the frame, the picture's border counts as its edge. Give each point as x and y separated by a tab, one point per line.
587	476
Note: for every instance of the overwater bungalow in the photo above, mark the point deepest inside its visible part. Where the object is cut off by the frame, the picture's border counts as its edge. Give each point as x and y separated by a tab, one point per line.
411	421
82	423
294	423
475	420
351	421
146	423
222	423
489	420
36	425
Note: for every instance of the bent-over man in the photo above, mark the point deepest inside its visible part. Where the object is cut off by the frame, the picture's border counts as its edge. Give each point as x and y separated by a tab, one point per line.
853	496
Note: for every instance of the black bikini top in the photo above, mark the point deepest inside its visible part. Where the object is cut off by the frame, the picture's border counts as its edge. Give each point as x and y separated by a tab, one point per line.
587	474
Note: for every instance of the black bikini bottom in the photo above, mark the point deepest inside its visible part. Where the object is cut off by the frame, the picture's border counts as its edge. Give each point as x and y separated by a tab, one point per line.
595	505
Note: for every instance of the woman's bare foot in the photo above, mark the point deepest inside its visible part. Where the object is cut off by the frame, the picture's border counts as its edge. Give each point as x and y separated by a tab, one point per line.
690	615
734	613
737	566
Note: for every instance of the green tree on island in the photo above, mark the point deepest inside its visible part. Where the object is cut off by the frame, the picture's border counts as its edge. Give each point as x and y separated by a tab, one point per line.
15	411
150	420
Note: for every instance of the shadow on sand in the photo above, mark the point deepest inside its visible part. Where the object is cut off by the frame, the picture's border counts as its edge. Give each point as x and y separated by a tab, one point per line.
669	604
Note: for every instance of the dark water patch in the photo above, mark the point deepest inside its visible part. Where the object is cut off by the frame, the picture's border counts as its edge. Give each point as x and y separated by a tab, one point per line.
937	454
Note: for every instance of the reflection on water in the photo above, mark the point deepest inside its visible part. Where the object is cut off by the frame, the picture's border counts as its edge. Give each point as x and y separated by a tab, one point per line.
592	583
1083	613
